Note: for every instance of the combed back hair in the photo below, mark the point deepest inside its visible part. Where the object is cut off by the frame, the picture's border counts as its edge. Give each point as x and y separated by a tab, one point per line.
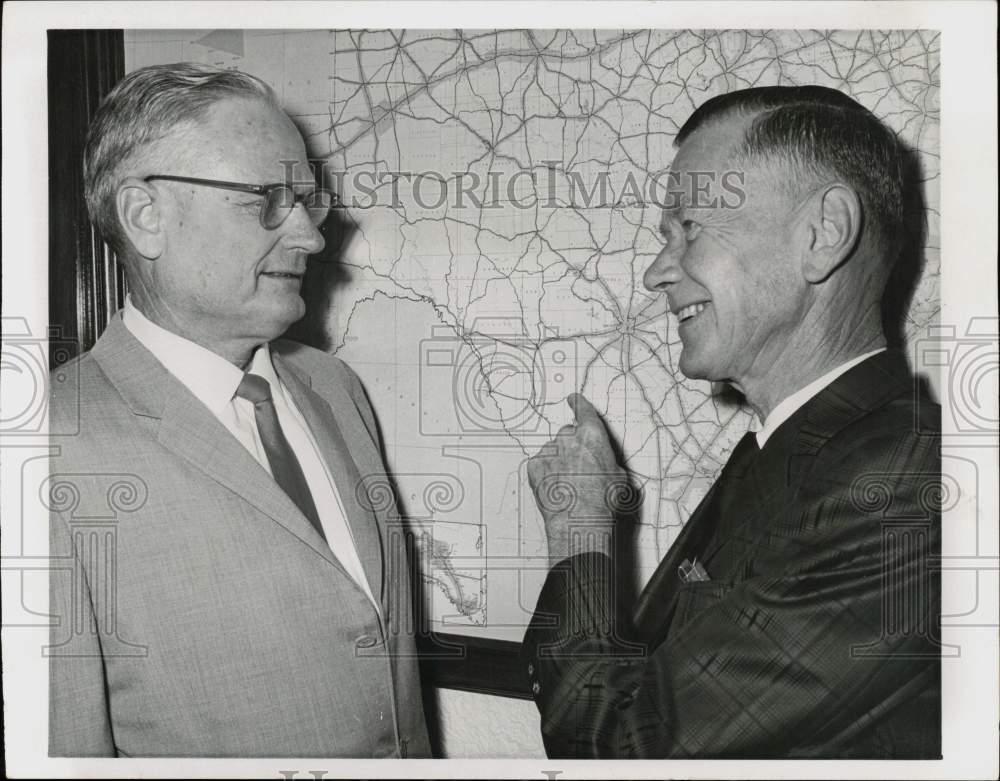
820	132
143	108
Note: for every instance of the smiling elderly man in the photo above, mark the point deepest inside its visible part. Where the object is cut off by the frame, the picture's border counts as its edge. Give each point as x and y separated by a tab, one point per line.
796	614
250	602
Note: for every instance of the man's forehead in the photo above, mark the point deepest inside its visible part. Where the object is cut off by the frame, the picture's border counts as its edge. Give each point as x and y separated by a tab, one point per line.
239	115
709	171
251	138
713	146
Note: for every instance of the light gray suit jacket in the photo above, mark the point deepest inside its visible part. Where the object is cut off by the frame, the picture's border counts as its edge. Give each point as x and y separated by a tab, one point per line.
200	613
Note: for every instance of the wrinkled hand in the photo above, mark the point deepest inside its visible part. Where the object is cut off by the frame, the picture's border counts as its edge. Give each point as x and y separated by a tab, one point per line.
578	484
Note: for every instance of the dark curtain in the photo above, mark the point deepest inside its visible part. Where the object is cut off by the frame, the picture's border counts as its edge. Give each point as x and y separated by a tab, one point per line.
86	282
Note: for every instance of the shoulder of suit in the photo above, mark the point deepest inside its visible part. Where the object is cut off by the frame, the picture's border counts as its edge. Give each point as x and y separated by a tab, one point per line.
88	417
913	414
906	430
78	383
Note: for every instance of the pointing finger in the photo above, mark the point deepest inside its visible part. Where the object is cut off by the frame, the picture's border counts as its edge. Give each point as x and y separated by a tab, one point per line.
590	424
583	409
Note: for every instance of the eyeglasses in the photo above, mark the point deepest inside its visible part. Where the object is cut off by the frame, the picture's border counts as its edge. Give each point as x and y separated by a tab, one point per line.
279	199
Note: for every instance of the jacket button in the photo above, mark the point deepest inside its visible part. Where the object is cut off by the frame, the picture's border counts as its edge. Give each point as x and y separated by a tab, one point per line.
366	641
531	669
536	687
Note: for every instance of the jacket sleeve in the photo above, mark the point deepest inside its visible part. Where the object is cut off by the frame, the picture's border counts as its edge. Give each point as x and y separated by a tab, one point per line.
79	723
838	627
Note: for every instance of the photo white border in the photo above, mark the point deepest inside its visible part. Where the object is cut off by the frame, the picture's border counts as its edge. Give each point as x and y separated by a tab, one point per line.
968	286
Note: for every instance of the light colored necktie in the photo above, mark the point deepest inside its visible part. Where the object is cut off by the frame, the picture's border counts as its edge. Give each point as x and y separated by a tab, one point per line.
284	465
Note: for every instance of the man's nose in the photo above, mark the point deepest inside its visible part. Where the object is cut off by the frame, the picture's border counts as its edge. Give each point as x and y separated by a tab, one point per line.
301	232
664	271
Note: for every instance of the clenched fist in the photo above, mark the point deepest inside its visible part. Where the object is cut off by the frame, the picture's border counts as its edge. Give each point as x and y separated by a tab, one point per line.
579	486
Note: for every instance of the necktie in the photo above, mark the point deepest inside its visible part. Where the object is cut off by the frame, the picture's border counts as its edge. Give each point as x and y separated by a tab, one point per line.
284	465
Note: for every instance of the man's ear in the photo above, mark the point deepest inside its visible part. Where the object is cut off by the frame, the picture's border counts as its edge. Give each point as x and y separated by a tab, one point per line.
835	227
139	215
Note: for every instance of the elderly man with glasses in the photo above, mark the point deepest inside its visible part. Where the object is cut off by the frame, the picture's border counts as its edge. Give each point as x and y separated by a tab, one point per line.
252	601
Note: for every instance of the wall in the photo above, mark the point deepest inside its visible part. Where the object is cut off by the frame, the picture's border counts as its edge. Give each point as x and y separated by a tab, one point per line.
477	726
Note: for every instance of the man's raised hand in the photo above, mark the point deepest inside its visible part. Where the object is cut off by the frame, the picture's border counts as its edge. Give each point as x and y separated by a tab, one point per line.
578	484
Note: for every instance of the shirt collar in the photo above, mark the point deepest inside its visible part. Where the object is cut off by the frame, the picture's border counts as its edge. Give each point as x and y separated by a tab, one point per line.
211	378
262	366
791	404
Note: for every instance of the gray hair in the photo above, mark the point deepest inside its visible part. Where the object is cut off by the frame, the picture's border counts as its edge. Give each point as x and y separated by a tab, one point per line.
821	130
143	108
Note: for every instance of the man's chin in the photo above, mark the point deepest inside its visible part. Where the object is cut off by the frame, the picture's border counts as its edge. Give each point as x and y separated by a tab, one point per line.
696	367
690	367
283	316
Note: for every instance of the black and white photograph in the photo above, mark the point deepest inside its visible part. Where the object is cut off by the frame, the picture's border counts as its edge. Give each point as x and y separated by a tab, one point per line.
481	388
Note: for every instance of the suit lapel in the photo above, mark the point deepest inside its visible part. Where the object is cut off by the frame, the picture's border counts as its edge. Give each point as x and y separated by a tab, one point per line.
766	491
189	430
750	495
789	452
329	435
723	527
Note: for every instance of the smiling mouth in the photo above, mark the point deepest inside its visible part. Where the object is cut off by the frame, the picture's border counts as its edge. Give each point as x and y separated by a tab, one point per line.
691	310
281	275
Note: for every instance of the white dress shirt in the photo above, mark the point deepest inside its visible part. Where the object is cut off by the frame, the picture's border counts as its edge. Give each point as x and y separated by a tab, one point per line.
214	380
790	404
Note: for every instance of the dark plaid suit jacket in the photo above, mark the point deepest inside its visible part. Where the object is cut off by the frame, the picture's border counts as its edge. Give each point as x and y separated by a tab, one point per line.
816	635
